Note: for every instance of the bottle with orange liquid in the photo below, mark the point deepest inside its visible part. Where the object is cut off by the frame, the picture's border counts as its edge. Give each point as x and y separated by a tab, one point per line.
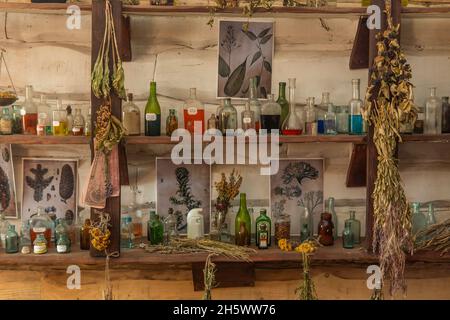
292	125
29	112
41	223
193	111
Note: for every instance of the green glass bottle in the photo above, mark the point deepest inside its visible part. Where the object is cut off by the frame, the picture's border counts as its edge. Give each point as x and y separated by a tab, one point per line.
431	218
149	223
304	232
156	231
12	240
419	221
355	225
242	226
347	236
263	230
334	218
152	113
63	244
282	101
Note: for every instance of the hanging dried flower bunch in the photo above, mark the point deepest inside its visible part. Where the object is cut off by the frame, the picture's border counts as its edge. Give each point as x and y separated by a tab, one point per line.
389	105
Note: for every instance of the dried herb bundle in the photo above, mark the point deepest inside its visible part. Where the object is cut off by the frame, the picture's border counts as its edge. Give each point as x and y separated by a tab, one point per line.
209	273
435	237
108	129
227	189
306	289
388	105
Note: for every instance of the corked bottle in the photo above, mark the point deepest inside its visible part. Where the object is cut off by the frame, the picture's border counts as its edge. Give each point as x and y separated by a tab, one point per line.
326	229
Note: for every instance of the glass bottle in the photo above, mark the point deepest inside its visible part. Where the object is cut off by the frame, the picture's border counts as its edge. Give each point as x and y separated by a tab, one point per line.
282	101
25	241
355	226
445	115
126	233
6	122
324	107
44	125
149	223
334	217
304	232
63	244
29	112
59	123
247	118
156	231
263	230
218	112
419	125
325	230
171	122
78	123
131	117
347	236
311	124
431	218
193	111
40	223
330	121
292	124
242	224
228	116
419	220
270	114
342	119
152	113
255	105
17	120
212	122
433	114
40	244
61	228
320	123
355	120
87	124
4	225
69	117
170	226
12	240
282	227
85	238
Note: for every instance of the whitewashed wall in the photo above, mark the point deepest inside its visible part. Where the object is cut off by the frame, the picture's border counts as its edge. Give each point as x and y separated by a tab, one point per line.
181	52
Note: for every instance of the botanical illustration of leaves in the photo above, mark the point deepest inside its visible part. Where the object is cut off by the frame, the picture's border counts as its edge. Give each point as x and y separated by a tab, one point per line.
224	69
266	38
250	35
267	66
236	79
264	32
256	56
5	193
263	92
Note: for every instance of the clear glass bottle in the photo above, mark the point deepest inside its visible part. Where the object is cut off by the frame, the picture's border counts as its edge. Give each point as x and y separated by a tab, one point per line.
6	122
29	112
419	125
212	122
263	227
242	224
44	126
304	232
218	112
445	115
69	117
323	108
292	124
282	101
4	224
78	123
282	227
87	124
270	114
170	226
433	114
59	124
40	244
347	236
25	241
61	229
12	240
419	220
320	123
63	245
171	122
126	233
152	113
355	226
85	238
311	124
40	223
255	104
17	119
330	121
156	231
431	218
193	111
356	120
334	217
342	119
228	116
131	117
247	118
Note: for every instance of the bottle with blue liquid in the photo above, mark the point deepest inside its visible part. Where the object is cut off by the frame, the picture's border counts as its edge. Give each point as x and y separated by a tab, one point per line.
355	117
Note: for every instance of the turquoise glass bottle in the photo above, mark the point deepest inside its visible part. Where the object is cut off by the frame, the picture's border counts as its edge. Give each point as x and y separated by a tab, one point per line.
419	220
347	236
63	244
355	225
242	227
431	218
152	113
12	240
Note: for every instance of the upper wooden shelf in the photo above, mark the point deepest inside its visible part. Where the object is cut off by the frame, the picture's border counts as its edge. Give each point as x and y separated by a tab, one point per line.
44	140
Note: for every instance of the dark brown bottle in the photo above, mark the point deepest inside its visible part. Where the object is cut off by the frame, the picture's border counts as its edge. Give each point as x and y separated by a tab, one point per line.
326	229
85	238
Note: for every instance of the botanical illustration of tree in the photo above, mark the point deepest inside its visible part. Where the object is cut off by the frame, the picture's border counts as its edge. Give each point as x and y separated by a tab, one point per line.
311	200
293	176
39	183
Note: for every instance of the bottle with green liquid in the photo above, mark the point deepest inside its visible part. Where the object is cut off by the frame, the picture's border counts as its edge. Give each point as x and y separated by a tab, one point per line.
152	113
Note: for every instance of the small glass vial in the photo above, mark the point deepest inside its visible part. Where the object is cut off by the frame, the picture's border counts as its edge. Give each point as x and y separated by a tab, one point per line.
59	124
356	120
44	126
171	122
355	226
212	122
12	240
431	218
6	122
40	244
131	117
69	118
87	124
63	244
193	111
270	114
347	236
78	123
228	117
282	227
126	233
218	112
17	120
310	117
247	118
330	121
170	226
342	119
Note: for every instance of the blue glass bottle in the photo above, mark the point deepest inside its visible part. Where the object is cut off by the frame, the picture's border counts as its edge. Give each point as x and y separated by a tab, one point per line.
355	117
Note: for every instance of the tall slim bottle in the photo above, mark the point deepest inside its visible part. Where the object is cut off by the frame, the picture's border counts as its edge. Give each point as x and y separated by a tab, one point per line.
433	114
311	125
356	120
193	111
243	224
334	217
152	113
292	124
255	105
282	101
29	112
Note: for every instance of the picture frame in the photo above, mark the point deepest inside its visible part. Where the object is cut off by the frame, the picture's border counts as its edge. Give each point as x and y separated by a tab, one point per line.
8	193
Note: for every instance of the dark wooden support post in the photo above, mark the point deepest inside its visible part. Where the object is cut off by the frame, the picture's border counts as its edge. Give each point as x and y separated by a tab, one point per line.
98	27
359	58
356	172
371	150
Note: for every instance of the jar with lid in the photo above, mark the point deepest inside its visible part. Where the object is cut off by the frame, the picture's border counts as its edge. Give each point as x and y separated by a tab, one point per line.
59	123
326	229
170	226
171	122
40	244
12	240
282	227
44	125
29	112
347	236
126	233
270	114
78	123
6	122
228	117
63	244
131	117
17	119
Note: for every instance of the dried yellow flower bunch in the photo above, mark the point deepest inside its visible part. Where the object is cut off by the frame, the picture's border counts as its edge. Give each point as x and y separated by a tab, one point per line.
227	190
388	105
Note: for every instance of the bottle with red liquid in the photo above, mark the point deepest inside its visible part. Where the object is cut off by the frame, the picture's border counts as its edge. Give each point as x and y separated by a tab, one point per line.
193	111
292	125
41	223
29	112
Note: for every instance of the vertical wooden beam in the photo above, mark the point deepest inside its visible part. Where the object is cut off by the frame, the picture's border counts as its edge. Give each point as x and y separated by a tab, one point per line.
359	57
371	150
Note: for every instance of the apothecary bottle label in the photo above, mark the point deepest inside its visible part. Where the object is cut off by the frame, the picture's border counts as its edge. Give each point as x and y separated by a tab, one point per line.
39	230
150	117
247	120
56	123
39	248
192	111
61	248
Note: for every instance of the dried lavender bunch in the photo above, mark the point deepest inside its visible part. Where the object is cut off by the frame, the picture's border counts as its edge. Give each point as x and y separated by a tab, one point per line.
388	105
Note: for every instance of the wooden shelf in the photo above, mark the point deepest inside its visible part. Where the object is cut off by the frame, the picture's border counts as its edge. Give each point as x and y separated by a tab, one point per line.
438	138
42	7
30	139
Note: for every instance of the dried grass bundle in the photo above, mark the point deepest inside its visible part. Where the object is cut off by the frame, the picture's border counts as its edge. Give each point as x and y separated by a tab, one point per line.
209	274
435	237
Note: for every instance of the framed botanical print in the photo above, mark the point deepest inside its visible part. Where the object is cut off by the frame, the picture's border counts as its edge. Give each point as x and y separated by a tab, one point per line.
8	200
